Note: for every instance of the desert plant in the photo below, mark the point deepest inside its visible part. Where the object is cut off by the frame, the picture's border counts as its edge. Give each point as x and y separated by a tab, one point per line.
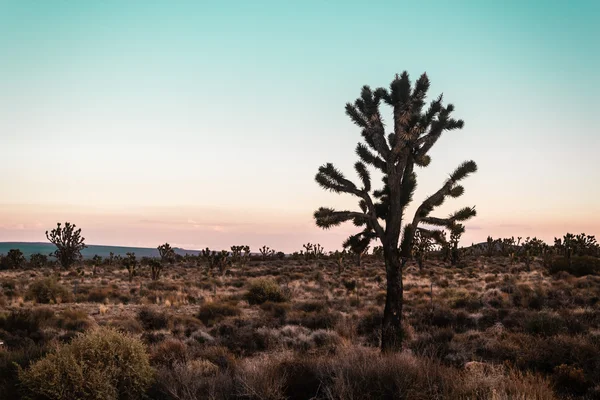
263	290
415	131
358	246
422	246
167	256
47	290
101	364
211	313
340	259
266	252
13	259
130	263
308	247
240	255
455	233
38	260
68	242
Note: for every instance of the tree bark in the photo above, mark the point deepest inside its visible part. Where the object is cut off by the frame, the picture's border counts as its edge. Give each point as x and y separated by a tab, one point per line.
391	330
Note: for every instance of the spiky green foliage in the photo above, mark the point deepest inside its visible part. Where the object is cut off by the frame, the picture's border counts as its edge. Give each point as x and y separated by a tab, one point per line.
68	242
416	129
380	213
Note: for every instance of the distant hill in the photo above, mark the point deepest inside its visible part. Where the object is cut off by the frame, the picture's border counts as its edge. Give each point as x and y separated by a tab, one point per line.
46	248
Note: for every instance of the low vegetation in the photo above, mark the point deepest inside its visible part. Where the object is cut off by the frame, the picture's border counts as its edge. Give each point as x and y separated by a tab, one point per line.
494	326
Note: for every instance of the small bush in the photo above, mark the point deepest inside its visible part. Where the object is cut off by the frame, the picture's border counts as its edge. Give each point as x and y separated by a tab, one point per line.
264	290
211	313
169	352
545	324
100	364
152	320
73	320
47	290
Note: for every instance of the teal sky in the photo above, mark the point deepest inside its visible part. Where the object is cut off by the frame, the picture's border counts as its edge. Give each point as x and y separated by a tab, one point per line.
203	123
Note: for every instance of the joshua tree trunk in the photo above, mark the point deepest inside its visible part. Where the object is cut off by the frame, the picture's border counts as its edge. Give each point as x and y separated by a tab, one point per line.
391	332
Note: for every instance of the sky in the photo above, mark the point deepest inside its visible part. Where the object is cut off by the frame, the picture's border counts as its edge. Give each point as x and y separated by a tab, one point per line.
203	123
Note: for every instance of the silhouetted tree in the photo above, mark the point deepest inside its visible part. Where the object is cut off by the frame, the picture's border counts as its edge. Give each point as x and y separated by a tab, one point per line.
167	256
415	131
68	242
13	259
130	263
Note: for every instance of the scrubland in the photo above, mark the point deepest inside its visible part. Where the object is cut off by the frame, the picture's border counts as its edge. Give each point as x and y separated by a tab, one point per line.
293	328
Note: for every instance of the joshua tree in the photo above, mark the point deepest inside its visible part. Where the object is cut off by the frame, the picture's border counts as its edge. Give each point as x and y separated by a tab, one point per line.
167	256
69	243
318	251
96	260
156	267
166	252
308	250
358	246
422	245
340	259
415	131
266	252
455	233
240	255
130	262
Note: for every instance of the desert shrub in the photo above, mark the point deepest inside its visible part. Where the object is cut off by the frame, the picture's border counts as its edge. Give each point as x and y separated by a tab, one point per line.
527	297
47	290
298	338
263	290
21	327
99	295
310	306
276	310
544	323
323	319
151	319
126	324
211	313
435	343
168	353
73	320
578	265
197	379
370	326
568	378
103	363
10	362
240	337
